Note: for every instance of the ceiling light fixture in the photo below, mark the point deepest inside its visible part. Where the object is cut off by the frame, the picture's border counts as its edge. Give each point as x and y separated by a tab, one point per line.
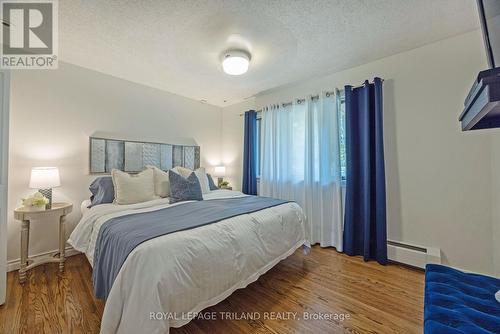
235	62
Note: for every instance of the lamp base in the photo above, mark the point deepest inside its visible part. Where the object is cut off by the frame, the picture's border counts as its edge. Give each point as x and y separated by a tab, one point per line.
48	194
219	181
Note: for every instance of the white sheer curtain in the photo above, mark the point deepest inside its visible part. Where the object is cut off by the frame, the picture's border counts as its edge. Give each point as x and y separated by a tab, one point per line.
301	162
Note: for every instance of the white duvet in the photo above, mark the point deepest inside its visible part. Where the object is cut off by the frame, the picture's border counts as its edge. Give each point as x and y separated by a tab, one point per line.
166	280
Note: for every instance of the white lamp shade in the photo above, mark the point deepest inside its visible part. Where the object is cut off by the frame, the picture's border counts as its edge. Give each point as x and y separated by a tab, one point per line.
219	171
44	178
235	62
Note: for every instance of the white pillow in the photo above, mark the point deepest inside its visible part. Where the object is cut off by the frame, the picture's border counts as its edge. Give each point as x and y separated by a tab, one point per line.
201	174
182	171
130	189
162	184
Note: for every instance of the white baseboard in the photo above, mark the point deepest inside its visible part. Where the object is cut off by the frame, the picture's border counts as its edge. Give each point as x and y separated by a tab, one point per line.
16	263
412	255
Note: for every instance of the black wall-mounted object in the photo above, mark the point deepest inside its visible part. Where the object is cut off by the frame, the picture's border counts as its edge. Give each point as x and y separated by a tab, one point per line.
482	104
489	16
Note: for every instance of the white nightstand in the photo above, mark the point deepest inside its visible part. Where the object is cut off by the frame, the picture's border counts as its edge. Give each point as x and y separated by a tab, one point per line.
59	212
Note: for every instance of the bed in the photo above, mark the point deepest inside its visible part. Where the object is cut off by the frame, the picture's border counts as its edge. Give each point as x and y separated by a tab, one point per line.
165	281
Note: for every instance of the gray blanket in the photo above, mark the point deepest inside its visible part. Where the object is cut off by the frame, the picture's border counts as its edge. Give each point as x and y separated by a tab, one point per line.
119	236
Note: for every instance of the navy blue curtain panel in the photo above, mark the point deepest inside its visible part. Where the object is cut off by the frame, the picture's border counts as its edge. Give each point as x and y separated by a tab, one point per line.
365	228
249	154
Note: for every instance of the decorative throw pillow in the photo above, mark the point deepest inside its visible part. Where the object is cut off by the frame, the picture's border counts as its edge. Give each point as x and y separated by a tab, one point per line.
184	189
162	184
211	183
202	177
130	189
185	172
102	190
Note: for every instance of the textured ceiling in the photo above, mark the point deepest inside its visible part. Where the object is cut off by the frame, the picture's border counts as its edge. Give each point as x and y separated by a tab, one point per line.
176	45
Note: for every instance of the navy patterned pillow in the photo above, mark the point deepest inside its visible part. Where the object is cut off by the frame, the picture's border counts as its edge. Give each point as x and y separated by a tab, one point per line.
184	189
211	183
103	191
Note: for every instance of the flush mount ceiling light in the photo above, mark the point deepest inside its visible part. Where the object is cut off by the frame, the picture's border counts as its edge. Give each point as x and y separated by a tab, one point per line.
235	62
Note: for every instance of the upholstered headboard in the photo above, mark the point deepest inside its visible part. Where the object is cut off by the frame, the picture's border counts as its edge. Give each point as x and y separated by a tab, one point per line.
134	156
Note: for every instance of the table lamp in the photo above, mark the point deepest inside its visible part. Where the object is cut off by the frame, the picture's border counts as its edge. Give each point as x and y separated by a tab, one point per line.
44	179
219	172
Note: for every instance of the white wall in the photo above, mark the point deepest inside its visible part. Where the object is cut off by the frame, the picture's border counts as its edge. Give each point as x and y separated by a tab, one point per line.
495	197
4	155
54	113
438	177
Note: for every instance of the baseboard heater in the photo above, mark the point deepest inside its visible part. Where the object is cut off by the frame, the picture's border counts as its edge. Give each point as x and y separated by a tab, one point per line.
412	255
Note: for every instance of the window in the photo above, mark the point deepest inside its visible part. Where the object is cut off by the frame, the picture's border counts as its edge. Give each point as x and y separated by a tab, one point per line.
342	139
259	142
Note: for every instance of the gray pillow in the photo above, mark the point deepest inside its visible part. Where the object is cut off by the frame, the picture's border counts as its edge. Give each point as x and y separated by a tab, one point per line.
211	183
184	189
102	190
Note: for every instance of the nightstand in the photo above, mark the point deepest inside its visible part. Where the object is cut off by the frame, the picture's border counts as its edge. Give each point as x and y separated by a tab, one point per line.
58	211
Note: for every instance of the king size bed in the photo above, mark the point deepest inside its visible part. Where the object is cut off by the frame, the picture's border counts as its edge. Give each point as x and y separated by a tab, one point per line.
158	264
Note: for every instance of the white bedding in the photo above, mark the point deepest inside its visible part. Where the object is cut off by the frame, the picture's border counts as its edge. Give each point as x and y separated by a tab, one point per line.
182	273
84	207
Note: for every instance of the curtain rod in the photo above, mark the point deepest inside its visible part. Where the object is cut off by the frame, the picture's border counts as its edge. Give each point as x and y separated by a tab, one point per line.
328	94
299	101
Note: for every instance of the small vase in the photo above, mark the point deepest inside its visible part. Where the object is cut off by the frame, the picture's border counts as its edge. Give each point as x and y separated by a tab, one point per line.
36	207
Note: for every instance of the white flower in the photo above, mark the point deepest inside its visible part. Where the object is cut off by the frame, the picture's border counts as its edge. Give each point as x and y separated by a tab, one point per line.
37	199
38	195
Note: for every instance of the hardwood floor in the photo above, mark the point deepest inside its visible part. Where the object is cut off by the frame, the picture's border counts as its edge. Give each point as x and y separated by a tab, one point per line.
377	299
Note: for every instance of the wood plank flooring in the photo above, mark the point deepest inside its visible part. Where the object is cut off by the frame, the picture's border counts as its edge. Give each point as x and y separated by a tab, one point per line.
372	299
